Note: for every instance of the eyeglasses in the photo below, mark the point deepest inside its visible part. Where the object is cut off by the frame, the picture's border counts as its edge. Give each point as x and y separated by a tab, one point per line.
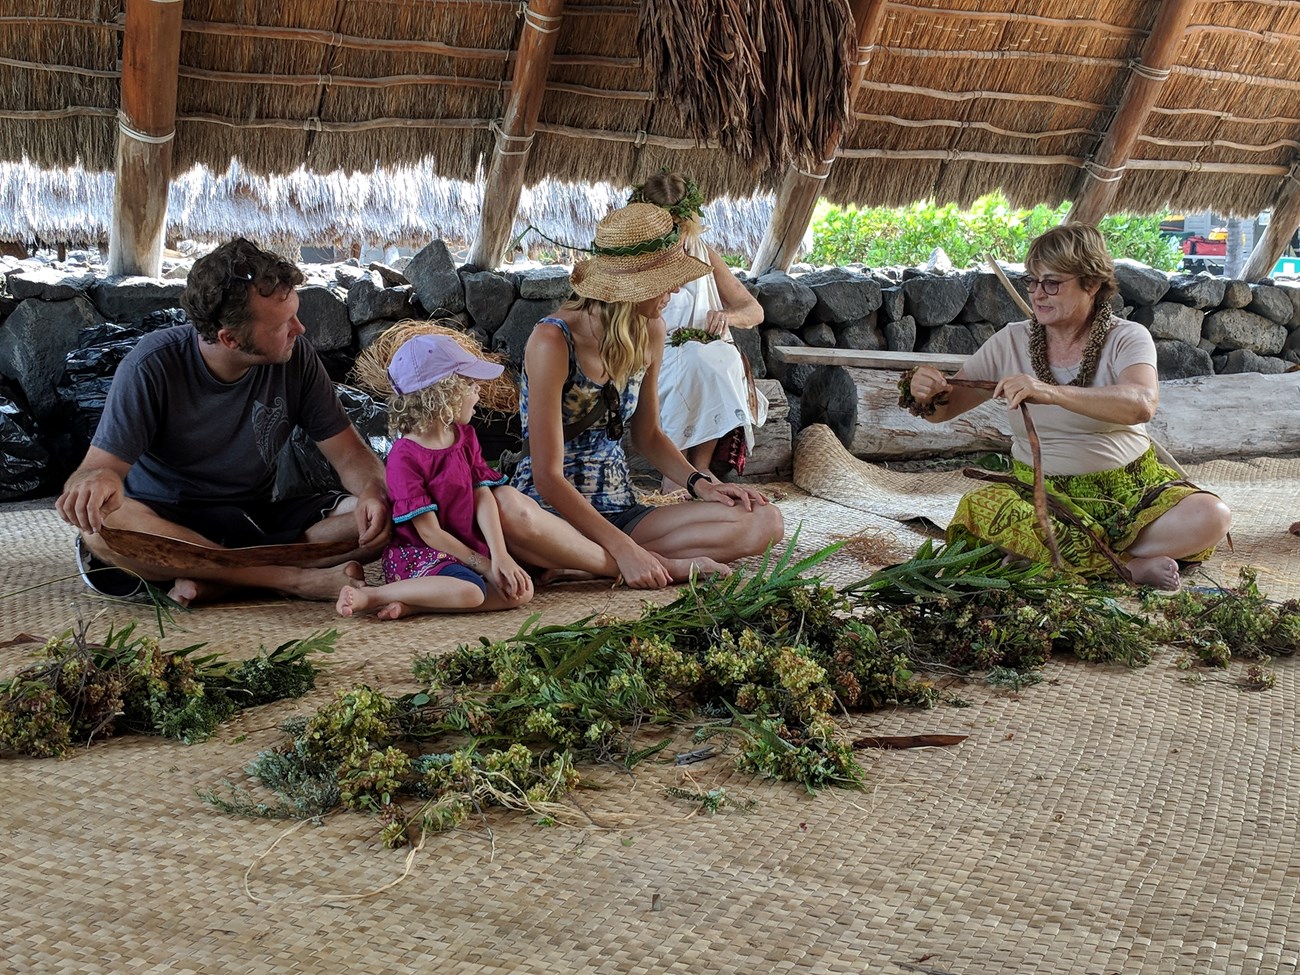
1050	286
613	400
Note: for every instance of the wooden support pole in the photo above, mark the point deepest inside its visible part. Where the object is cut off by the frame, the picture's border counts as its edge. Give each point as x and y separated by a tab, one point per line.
800	189
1095	191
1282	224
151	47
505	180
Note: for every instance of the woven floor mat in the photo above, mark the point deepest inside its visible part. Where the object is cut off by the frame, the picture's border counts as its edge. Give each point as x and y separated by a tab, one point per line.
1105	821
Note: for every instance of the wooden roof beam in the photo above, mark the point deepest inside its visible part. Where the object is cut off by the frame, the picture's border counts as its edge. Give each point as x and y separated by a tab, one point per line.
1282	223
1095	191
800	189
151	50
505	179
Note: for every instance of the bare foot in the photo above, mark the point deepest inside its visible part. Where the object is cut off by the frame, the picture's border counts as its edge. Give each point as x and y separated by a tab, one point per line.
1295	529
680	569
394	611
357	600
191	592
1158	572
323	584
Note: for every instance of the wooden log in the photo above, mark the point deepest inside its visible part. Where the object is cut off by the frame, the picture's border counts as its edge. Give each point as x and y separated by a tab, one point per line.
1282	223
862	359
1240	415
151	48
800	189
505	180
1099	183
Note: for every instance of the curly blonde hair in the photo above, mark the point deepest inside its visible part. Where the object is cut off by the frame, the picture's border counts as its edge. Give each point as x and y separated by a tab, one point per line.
421	411
624	345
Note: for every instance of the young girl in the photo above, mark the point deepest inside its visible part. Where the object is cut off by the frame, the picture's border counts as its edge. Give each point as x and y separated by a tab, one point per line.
447	552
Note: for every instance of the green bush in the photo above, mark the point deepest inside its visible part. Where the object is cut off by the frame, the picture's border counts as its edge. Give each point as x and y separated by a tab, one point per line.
880	236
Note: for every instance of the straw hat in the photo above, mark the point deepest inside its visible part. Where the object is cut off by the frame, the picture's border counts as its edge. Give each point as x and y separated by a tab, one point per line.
639	255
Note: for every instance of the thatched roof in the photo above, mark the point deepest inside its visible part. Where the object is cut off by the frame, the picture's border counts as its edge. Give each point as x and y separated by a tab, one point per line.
959	97
403	206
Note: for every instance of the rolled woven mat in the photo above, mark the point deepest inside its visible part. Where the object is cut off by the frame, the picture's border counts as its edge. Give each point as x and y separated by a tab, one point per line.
824	468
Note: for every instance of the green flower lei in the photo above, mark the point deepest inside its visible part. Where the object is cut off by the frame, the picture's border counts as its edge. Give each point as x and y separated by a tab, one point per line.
641	247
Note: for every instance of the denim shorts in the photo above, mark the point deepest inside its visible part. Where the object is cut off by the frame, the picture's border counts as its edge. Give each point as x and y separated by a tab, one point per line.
625	519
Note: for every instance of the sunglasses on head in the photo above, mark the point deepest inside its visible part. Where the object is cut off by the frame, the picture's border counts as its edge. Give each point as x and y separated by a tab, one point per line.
613	401
238	271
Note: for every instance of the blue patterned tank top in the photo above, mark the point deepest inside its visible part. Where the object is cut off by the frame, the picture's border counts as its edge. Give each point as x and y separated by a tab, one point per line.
594	463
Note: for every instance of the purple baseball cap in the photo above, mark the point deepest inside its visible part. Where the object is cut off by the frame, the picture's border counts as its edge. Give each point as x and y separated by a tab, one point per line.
426	359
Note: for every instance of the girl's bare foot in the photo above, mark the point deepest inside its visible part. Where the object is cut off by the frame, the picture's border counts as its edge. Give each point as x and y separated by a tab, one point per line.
1158	572
680	569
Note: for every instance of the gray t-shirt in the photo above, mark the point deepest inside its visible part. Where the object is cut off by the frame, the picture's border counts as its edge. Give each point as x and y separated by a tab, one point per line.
191	437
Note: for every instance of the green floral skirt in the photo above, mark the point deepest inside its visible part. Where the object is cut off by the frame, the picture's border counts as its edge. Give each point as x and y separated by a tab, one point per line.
1111	506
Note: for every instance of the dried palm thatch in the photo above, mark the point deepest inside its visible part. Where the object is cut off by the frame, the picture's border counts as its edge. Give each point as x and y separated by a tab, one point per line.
394	206
765	79
957	98
370	371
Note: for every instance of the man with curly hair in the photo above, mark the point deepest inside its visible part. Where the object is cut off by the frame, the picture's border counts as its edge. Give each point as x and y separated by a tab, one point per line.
188	442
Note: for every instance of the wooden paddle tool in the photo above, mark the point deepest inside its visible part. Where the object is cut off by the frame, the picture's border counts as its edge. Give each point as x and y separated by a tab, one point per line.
175	553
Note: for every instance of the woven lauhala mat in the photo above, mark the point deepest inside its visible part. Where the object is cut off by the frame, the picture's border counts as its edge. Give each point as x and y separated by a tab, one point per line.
1106	821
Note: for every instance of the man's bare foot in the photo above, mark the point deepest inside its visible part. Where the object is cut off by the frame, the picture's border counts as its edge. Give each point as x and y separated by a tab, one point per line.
322	585
394	611
1158	572
1295	529
680	569
191	592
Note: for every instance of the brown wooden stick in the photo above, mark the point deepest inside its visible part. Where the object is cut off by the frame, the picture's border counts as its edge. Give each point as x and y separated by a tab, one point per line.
909	741
1040	488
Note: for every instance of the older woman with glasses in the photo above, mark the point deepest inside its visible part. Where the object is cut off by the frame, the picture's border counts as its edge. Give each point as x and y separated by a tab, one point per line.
590	371
1090	380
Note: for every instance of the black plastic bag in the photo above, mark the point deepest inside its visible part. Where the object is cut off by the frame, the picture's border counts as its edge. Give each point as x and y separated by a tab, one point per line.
23	459
303	469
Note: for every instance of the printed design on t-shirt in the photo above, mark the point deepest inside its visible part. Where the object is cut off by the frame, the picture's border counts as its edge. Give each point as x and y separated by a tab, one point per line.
269	428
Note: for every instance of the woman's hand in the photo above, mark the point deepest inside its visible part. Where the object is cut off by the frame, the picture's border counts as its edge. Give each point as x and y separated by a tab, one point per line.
927	383
507	575
729	494
717	323
1023	388
640	569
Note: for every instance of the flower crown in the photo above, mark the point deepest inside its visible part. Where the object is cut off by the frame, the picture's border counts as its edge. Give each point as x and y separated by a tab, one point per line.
690	205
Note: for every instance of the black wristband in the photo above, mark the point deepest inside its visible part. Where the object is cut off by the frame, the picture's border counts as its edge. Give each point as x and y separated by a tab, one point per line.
695	479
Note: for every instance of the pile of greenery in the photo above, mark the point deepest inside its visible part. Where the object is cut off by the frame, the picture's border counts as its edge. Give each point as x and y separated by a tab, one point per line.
1211	627
884	236
79	690
763	663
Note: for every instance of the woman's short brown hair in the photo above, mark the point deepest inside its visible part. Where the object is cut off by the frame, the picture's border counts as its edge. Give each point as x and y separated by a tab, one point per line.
216	290
1079	249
